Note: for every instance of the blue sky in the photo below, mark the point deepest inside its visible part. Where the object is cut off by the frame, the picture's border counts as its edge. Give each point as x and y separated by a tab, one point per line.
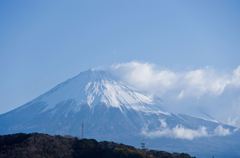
45	42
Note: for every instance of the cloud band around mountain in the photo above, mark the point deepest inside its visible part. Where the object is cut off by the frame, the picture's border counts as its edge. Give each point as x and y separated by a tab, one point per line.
184	84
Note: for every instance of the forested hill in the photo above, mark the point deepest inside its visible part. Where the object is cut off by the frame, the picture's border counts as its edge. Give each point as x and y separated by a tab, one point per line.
45	146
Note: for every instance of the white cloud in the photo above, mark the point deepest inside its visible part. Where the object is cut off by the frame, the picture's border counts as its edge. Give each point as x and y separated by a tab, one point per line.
233	121
179	132
236	77
202	81
196	91
184	84
186	133
145	76
221	131
163	123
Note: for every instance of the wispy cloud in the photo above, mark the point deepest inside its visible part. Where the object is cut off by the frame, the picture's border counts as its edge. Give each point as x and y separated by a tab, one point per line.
183	84
214	92
181	132
221	131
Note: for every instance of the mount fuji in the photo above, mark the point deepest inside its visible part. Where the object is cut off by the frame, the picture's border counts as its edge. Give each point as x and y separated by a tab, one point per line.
112	110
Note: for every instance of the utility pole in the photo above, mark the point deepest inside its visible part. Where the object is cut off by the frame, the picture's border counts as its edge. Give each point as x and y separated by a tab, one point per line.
143	147
82	130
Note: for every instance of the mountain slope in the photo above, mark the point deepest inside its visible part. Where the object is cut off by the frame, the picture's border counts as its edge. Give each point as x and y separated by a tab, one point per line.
112	110
109	109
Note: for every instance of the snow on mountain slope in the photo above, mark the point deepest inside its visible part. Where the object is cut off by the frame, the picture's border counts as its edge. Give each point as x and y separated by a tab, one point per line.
97	91
97	87
94	97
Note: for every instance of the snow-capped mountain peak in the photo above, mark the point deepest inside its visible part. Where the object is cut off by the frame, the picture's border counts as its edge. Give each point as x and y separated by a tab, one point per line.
97	87
114	93
112	110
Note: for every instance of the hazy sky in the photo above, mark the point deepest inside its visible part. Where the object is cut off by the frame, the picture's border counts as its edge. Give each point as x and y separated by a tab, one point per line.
45	42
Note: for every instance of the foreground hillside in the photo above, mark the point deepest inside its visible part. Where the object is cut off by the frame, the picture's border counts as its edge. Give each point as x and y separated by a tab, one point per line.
42	145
